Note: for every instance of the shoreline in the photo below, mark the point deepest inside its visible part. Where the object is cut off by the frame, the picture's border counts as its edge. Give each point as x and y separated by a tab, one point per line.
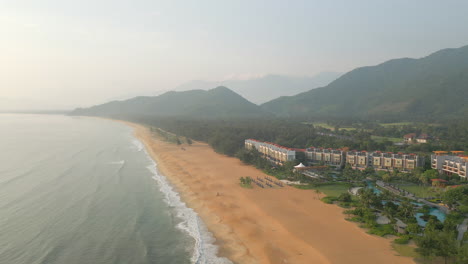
204	247
279	225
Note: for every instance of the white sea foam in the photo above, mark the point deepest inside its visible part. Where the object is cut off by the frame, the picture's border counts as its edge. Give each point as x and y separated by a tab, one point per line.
117	162
205	252
137	143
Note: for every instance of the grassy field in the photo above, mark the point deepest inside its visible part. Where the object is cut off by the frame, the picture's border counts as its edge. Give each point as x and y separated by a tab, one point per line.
420	191
334	189
396	124
410	251
381	139
325	125
406	250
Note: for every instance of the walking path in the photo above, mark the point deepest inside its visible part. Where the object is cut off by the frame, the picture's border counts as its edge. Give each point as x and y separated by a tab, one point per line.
462	229
412	197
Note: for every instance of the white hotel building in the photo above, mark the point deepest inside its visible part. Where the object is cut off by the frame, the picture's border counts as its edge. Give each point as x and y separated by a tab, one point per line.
449	165
273	152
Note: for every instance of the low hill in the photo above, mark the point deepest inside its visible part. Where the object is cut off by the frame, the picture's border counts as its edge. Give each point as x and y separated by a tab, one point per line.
263	89
219	102
435	86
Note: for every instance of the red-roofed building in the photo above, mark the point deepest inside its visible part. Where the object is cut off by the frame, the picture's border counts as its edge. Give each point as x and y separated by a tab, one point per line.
409	138
438	182
414	138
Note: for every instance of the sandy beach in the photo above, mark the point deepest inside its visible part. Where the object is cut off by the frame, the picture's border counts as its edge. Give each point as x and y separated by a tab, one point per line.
274	225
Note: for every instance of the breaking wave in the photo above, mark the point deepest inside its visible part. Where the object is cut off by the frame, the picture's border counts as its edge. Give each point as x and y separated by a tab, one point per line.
204	251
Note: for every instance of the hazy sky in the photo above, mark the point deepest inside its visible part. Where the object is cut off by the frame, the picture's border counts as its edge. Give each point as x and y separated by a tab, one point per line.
60	53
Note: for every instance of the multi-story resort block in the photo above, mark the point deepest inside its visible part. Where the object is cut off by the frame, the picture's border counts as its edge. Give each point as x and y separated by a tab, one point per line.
450	164
357	159
273	152
389	161
337	157
332	157
383	161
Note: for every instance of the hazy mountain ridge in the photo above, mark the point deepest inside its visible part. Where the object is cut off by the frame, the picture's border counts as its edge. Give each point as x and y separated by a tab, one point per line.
266	88
434	85
219	102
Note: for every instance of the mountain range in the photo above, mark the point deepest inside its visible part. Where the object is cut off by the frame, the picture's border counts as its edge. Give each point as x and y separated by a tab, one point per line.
432	87
266	88
219	102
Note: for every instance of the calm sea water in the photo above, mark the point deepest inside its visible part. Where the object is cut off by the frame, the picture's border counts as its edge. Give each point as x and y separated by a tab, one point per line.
82	190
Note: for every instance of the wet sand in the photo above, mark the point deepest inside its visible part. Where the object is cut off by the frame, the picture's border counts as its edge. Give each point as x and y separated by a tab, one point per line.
273	225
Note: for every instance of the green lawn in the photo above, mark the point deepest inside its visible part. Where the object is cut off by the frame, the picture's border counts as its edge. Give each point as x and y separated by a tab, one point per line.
396	124
325	125
381	139
334	189
406	250
410	251
420	191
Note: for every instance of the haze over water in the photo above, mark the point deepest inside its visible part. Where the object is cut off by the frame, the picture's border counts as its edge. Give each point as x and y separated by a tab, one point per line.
81	190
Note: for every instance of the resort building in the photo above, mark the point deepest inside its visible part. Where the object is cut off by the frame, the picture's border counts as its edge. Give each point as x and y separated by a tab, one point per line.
383	160
423	138
450	164
338	157
390	161
358	159
273	152
409	138
325	156
413	138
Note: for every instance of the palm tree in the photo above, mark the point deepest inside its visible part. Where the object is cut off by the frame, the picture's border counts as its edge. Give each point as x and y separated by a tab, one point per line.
366	197
317	193
406	209
389	210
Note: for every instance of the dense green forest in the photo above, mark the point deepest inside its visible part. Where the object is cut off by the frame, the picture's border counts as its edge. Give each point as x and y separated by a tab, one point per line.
227	136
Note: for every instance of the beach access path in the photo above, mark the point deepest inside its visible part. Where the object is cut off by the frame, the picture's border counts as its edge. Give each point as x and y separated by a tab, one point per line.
271	225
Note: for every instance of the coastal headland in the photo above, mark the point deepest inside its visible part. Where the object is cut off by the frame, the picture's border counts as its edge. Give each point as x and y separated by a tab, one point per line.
271	225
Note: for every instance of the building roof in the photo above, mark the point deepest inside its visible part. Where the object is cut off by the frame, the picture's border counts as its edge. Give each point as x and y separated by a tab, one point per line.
400	223
438	180
423	136
300	166
410	135
299	150
273	144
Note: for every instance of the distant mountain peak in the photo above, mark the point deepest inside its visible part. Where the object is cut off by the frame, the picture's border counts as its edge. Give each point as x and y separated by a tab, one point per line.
267	87
221	88
433	86
219	102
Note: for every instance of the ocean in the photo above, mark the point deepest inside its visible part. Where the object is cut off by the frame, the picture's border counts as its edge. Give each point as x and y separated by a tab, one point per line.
84	190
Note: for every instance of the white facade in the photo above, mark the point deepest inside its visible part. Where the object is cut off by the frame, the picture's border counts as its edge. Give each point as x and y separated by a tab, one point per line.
450	164
275	153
